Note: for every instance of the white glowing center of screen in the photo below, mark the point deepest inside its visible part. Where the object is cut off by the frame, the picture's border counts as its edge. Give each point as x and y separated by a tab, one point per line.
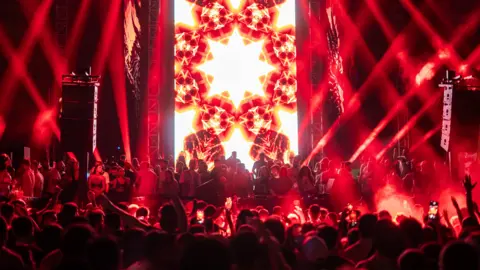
183	13
236	68
286	14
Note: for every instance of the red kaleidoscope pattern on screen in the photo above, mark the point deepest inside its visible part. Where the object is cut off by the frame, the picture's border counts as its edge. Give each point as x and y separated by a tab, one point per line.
235	79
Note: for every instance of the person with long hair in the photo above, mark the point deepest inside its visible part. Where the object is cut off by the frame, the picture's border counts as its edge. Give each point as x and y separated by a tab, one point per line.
97	182
242	181
135	164
189	180
305	181
282	184
120	187
27	178
147	180
170	185
5	177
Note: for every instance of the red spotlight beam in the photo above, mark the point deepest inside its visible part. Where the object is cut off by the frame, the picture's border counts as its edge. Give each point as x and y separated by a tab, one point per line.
21	72
77	29
321	92
425	138
463	30
117	72
440	14
437	41
50	47
354	103
473	57
410	124
10	78
107	36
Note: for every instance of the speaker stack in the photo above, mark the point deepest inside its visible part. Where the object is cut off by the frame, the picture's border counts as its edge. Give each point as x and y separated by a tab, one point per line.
78	118
461	121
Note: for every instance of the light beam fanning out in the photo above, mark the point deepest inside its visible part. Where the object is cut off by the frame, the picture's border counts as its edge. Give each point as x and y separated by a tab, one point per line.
182	131
233	143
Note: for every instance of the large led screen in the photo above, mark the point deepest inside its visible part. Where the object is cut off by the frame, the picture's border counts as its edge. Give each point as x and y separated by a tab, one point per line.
235	79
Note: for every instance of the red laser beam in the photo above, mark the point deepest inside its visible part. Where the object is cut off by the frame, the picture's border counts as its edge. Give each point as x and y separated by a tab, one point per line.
391	114
11	76
77	29
388	31
409	124
21	71
354	103
437	41
108	30
425	138
119	89
49	45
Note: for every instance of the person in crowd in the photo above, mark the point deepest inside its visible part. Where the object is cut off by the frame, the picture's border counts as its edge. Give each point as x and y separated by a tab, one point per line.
22	244
363	248
232	161
321	167
69	181
121	187
262	181
97	182
27	178
261	162
122	160
179	169
189	180
39	180
281	184
48	239
162	173
73	252
7	211
203	171
54	178
295	169
242	181
343	188
388	243
8	258
328	176
170	187
458	255
305	182
130	172
237	235
146	183
135	164
45	170
5	177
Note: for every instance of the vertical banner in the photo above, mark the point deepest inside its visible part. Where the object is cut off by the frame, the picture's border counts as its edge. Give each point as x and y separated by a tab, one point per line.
235	80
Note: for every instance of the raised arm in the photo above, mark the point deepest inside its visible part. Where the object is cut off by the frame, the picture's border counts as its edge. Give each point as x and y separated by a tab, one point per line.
457	208
181	214
127	219
52	202
469	186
